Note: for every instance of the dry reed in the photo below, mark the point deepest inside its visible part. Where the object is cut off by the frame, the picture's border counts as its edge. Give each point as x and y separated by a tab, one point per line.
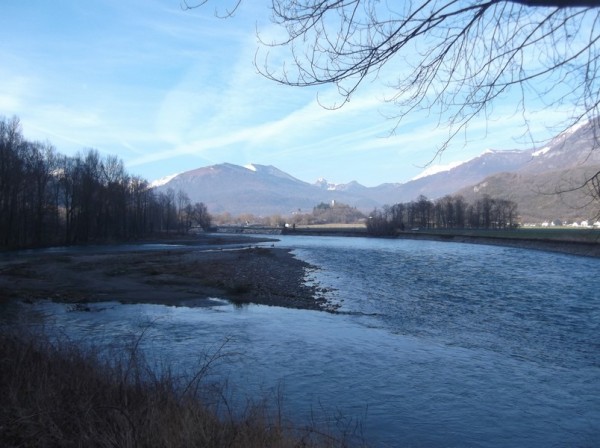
59	394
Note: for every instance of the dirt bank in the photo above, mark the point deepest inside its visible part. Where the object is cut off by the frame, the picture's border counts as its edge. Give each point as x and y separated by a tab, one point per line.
185	275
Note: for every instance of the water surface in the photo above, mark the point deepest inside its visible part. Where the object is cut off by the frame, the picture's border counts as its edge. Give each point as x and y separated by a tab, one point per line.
436	344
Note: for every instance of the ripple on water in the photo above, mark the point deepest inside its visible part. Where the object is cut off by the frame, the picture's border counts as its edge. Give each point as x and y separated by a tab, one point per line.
437	344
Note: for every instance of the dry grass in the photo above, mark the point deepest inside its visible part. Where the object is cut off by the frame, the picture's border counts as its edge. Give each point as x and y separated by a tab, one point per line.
58	394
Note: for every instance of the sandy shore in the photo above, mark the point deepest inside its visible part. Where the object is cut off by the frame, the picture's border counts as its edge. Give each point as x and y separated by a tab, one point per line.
187	275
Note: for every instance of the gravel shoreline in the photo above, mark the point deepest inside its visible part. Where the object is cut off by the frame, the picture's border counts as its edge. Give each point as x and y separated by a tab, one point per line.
192	272
186	275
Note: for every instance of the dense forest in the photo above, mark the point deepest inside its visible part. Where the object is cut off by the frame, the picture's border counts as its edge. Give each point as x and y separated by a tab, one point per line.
47	198
449	212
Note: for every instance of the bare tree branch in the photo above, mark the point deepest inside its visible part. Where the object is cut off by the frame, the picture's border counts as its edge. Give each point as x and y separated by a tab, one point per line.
229	11
559	3
456	58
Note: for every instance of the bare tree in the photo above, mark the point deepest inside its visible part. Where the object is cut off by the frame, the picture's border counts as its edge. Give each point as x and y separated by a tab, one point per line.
47	198
454	57
200	215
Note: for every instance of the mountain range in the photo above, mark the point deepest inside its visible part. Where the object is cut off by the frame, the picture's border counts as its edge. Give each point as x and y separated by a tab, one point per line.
538	180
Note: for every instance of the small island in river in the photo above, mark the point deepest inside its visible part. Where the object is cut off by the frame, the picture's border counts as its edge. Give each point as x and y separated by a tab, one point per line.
186	272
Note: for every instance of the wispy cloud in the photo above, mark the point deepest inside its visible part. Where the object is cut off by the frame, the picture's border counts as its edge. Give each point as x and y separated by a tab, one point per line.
164	89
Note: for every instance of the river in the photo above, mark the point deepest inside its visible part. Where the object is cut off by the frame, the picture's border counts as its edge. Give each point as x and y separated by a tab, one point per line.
436	344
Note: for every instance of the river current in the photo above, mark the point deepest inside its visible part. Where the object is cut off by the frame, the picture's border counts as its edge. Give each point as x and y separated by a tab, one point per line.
435	345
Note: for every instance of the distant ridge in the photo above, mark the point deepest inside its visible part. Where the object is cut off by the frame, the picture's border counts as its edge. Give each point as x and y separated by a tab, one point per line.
527	177
261	190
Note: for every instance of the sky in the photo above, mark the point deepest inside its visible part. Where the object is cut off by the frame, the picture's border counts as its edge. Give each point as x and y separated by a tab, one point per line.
168	90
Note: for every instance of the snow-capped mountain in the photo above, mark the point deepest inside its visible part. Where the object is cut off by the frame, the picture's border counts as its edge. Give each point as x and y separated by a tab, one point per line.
570	149
445	182
551	185
257	189
266	190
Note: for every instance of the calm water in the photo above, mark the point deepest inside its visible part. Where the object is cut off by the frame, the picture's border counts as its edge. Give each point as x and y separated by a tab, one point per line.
437	344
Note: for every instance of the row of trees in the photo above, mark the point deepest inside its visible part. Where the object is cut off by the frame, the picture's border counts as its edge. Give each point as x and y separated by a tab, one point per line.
323	213
332	213
47	198
449	212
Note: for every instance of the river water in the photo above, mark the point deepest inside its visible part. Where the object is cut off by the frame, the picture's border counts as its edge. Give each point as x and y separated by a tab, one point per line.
436	344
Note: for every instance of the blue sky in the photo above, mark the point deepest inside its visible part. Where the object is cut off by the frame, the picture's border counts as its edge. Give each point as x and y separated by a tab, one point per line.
169	90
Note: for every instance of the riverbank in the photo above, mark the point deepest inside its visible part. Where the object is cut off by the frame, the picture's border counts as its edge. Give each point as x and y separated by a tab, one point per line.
56	393
580	248
186	272
189	271
567	241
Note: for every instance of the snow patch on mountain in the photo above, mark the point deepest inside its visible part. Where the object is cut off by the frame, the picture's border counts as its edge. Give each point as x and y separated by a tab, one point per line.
163	180
250	167
435	169
541	152
576	127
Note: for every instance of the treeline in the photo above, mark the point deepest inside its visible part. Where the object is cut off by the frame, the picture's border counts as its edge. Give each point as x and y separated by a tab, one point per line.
47	198
323	213
332	213
449	212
